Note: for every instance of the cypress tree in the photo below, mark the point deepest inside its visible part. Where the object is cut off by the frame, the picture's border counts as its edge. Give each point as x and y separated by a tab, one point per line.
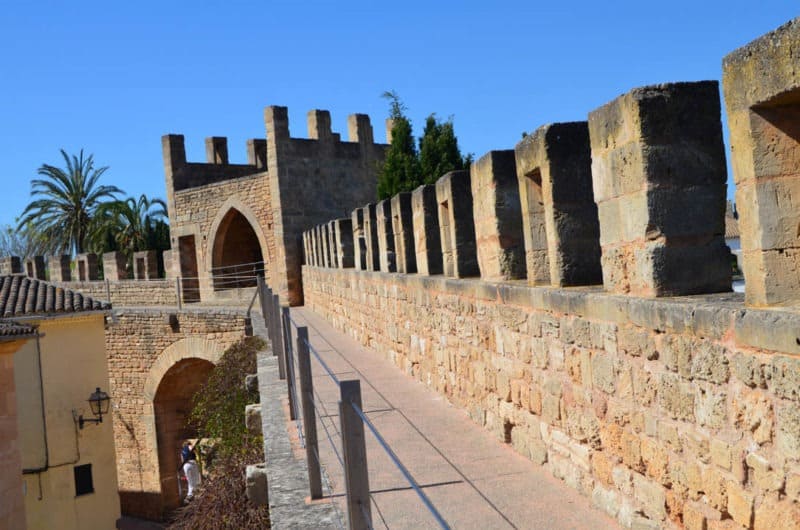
400	171
438	150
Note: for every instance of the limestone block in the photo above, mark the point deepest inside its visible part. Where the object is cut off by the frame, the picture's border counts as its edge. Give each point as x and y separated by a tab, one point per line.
115	266
343	232
498	217
333	251
427	241
761	84
10	265
659	179
86	267
403	232
359	239
145	265
560	218
256	484
456	225
371	237
387	259
34	267
252	418
59	268
251	383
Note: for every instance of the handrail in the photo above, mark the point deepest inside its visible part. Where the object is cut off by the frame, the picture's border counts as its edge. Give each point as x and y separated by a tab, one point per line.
381	441
401	467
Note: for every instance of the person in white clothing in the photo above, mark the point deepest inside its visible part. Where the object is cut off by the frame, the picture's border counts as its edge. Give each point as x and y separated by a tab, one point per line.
190	468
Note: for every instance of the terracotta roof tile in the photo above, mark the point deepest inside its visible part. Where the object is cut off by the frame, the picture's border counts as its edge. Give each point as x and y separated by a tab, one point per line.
9	328
20	295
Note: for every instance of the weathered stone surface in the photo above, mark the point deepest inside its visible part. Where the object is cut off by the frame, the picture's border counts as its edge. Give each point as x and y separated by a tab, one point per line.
559	213
761	83
386	253
371	237
10	265
256	484
145	265
343	232
658	170
86	267
427	240
498	218
251	383
359	239
456	225
288	186
34	267
58	268
403	232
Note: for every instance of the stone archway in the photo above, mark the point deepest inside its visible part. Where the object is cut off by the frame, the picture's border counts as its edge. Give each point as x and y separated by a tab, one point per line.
236	253
178	372
172	406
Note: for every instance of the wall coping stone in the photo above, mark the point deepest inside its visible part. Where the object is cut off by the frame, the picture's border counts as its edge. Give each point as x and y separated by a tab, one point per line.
715	316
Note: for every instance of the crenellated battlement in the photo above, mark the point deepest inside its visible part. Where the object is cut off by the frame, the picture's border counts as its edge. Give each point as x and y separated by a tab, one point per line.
287	185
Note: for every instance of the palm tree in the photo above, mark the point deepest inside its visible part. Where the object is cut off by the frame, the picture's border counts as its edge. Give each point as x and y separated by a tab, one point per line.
135	224
66	201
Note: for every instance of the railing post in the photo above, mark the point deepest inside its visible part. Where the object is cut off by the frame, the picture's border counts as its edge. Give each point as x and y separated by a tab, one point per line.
277	344
354	448
309	414
286	327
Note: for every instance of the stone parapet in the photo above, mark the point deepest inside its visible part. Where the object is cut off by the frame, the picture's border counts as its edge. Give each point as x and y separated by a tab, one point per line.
386	253
456	225
10	265
35	268
762	94
496	210
659	181
403	233
371	237
343	233
674	409
145	265
58	268
558	209
115	266
427	240
86	267
359	239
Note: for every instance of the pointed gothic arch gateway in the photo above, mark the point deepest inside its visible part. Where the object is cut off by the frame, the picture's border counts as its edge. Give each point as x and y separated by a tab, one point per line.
237	252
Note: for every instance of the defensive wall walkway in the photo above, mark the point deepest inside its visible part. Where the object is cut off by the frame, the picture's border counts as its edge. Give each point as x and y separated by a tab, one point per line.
473	479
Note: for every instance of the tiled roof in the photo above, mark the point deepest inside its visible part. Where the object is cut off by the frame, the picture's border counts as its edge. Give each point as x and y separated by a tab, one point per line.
9	328
20	296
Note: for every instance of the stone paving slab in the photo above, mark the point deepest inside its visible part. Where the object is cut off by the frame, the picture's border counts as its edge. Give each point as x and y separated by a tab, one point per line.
474	480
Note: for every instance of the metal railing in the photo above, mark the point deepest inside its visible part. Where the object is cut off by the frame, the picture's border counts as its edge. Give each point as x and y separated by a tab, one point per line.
352	418
236	276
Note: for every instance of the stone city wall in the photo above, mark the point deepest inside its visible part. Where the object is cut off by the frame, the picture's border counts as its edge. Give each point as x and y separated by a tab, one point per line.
667	410
683	409
141	346
128	293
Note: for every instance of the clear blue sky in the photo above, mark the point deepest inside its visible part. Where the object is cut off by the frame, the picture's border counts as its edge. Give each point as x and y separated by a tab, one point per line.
113	77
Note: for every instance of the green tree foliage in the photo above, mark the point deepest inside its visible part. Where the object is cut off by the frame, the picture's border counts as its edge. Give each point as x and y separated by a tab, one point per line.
218	410
400	171
438	150
405	168
130	225
65	201
218	414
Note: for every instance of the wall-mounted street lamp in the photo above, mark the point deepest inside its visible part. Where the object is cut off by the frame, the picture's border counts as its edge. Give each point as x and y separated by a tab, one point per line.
99	403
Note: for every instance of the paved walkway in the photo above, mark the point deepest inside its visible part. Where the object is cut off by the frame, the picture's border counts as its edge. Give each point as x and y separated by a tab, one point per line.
474	480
